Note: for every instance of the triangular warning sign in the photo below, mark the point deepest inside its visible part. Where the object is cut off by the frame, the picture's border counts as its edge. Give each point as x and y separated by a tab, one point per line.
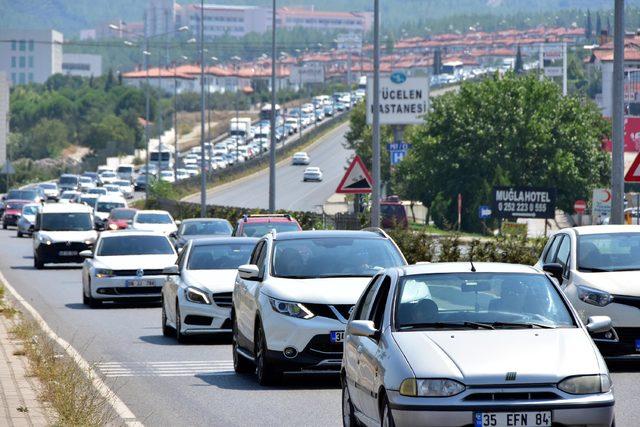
356	179
633	174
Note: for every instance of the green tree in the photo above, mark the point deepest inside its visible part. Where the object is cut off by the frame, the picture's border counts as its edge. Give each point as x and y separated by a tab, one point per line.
598	25
111	130
110	81
588	28
46	139
510	130
519	65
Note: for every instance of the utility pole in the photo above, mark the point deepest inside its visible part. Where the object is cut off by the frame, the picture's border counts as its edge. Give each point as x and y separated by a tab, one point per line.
147	118
375	193
175	120
617	174
203	171
272	133
160	125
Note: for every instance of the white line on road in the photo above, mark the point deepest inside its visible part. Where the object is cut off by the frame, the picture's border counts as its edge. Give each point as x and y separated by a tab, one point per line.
190	368
118	405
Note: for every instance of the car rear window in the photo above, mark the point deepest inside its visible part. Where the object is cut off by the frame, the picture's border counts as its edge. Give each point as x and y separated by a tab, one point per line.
260	229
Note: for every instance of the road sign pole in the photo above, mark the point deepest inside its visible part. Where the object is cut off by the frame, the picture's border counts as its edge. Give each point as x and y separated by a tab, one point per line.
617	173
272	133
375	194
203	169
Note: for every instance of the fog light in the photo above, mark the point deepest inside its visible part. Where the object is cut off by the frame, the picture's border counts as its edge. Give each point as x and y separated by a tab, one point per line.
608	335
290	352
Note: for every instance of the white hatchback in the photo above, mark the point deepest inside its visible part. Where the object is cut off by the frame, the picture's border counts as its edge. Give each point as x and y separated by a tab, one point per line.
150	220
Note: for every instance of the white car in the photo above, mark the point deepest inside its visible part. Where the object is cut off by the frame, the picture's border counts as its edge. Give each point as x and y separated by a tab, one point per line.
150	220
125	187
598	268
292	301
196	299
126	266
192	170
113	190
167	176
108	177
105	204
85	183
98	191
182	174
50	190
191	159
300	158
464	344
312	173
69	196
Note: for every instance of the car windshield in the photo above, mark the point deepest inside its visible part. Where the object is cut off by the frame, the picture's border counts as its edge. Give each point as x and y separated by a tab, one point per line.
609	252
85	179
68	180
153	218
21	195
333	257
108	174
122	183
135	245
91	201
488	300
202	228
48	186
29	210
221	256
260	229
107	207
68	195
123	214
76	221
101	191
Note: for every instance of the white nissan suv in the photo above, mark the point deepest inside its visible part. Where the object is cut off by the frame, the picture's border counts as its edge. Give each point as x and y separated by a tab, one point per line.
292	301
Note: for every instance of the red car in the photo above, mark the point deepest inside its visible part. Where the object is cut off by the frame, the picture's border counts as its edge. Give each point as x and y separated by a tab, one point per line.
120	218
12	212
259	225
394	215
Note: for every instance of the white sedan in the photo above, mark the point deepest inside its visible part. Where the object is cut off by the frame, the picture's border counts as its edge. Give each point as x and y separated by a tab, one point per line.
126	266
196	298
300	158
149	220
312	173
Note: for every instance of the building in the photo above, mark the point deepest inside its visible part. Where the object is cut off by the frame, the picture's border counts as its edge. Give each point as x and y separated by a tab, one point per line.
219	20
4	117
30	56
160	17
82	64
357	22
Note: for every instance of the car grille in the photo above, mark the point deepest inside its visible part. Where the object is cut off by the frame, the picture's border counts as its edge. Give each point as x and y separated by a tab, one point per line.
508	396
321	344
324	310
626	300
193	319
146	290
222	299
68	246
150	272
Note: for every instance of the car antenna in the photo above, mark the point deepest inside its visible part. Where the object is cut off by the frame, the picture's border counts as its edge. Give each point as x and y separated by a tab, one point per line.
473	267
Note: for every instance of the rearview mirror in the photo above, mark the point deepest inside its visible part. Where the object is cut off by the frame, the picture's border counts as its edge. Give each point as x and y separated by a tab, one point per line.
172	270
554	269
362	328
178	222
598	324
86	254
249	272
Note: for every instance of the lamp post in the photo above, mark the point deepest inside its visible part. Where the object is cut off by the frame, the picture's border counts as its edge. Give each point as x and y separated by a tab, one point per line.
375	193
203	176
175	116
272	153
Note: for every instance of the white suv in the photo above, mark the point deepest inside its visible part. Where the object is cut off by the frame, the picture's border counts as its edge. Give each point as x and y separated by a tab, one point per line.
292	301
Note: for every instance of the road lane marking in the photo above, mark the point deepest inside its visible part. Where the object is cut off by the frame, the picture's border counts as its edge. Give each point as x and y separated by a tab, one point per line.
116	403
189	368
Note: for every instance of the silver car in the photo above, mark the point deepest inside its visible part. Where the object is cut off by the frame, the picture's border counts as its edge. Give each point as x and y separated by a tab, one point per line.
454	344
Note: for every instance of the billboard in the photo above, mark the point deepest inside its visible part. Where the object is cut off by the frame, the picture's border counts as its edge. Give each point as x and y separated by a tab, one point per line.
403	100
631	136
307	73
524	202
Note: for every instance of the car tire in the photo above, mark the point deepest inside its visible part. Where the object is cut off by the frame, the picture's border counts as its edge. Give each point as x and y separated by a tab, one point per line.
241	365
93	303
4	225
85	299
387	416
37	263
180	337
265	371
348	413
19	233
166	329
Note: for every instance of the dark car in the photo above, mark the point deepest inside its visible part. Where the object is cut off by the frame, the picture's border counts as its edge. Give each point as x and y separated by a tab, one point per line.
198	228
68	182
394	215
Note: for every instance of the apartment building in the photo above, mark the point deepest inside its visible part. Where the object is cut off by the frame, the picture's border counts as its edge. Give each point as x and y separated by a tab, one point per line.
30	56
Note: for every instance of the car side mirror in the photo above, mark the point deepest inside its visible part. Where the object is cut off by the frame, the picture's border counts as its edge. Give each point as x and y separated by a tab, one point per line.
362	328
554	269
599	324
249	272
178	222
172	270
86	254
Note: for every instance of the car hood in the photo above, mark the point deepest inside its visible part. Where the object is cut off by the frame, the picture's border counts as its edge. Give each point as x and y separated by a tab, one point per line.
29	218
68	236
615	282
211	280
332	290
485	356
134	262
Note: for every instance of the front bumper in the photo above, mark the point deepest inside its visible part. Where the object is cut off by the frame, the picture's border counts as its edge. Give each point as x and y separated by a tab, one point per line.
592	410
62	252
118	288
203	319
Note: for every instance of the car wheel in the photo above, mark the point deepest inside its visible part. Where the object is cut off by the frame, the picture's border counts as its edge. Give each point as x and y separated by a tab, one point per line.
387	417
348	413
37	263
85	299
240	364
265	371
93	303
19	233
180	337
4	225
166	329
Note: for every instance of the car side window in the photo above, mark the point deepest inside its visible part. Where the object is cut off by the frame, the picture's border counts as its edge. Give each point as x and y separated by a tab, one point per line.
367	299
379	305
564	250
256	253
182	256
552	249
262	265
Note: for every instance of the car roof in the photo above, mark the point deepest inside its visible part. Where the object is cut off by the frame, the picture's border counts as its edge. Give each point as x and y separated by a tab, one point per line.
602	229
313	234
65	208
150	211
110	198
19	201
112	233
465	267
189	220
265	219
223	239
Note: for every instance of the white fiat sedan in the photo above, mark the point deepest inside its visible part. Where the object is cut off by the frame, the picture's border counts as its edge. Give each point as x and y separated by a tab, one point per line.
196	298
455	344
126	266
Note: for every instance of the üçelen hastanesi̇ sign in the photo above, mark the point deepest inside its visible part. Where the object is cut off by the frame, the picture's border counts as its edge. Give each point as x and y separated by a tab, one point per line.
403	100
524	202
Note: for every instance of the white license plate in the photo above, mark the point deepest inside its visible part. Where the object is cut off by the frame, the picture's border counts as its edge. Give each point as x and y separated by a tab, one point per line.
512	419
336	336
139	283
68	253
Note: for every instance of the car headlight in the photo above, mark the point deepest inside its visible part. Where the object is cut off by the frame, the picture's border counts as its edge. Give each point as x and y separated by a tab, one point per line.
196	295
593	296
586	384
102	273
438	387
292	309
90	241
44	239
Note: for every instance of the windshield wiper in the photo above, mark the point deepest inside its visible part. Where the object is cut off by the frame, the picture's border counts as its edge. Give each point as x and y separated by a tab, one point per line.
594	269
523	325
446	325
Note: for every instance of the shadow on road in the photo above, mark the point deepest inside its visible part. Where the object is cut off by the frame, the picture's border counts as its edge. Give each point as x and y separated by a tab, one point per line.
623	366
289	382
107	306
64	267
221	339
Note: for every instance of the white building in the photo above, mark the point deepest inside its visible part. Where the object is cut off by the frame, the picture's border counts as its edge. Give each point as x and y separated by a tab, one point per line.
225	19
160	17
82	64
30	56
4	117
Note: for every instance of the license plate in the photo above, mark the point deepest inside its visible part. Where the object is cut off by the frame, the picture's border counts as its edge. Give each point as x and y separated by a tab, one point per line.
336	336
139	283
68	253
512	419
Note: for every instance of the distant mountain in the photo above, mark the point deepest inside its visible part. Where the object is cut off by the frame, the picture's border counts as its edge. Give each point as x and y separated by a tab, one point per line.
70	16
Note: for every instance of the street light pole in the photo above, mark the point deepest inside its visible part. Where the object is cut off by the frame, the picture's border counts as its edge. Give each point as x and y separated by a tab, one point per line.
375	193
145	55
272	133
203	172
175	120
617	175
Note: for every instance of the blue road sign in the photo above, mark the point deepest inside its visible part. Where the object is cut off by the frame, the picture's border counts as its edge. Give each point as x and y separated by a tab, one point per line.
484	212
397	156
398	146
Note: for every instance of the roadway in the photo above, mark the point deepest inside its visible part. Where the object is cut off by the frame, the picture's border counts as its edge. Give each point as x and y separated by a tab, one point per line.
166	384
